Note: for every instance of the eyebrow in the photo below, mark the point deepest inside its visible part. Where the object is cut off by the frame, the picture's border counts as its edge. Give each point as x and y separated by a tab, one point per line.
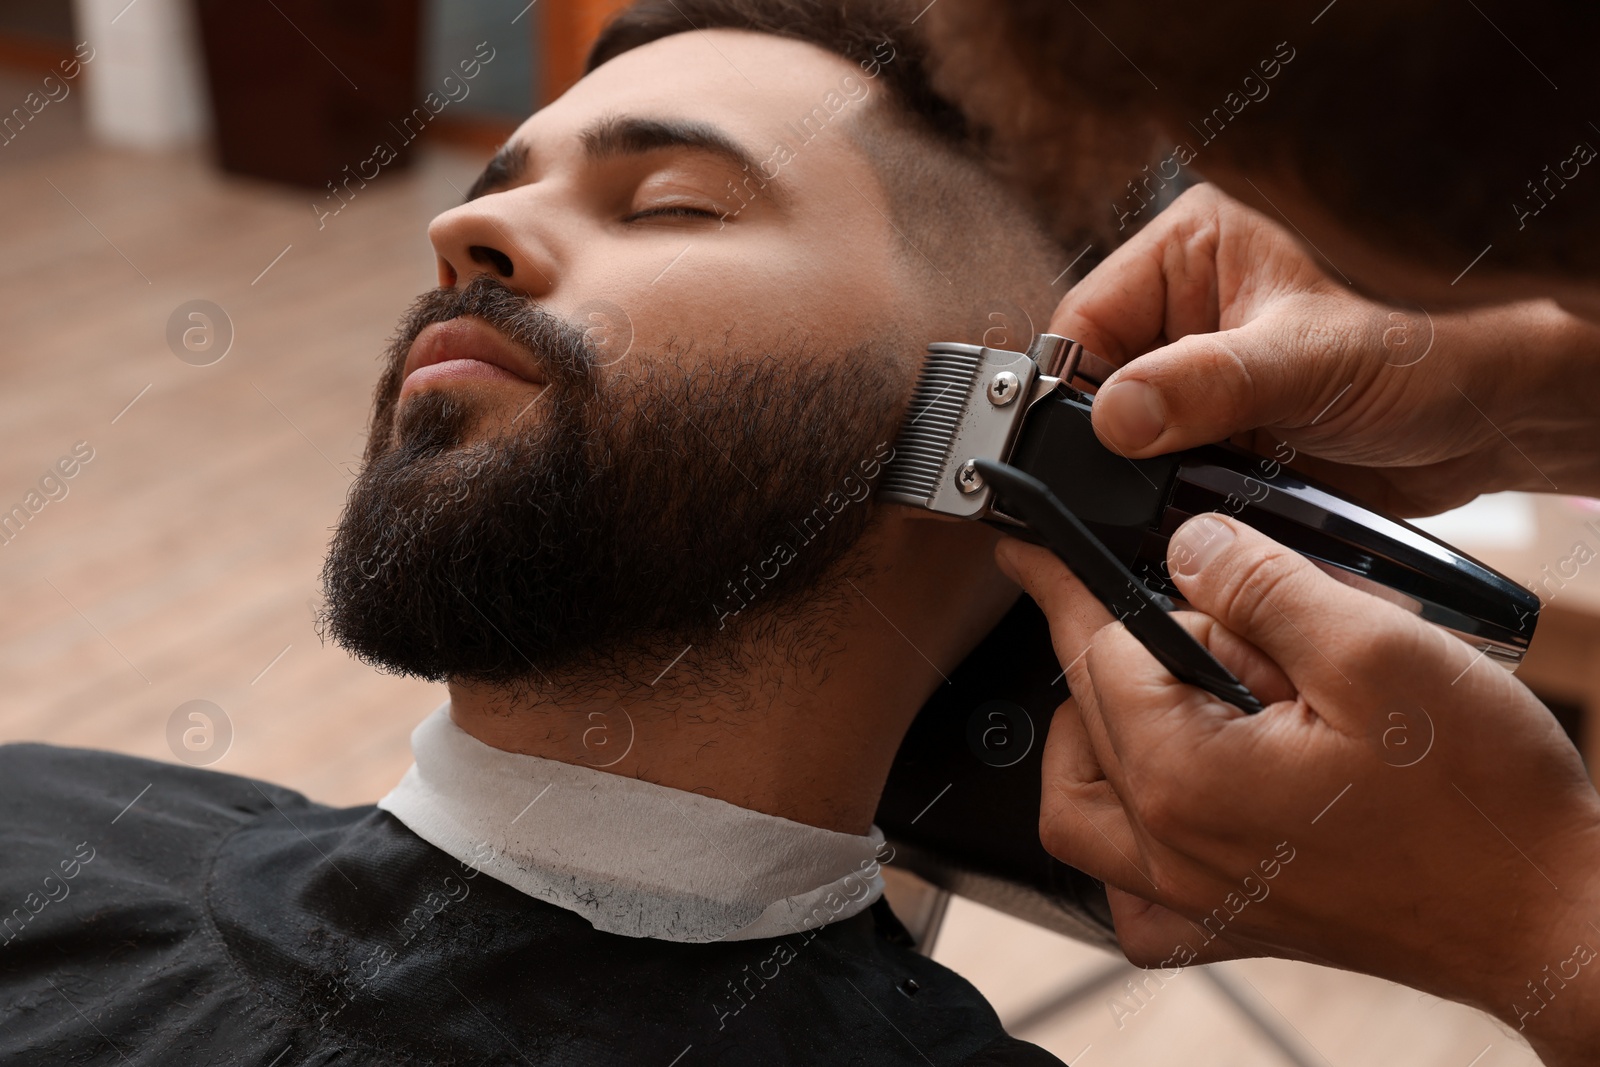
614	136
503	169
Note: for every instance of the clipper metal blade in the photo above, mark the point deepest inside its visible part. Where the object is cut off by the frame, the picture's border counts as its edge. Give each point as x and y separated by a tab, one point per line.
969	405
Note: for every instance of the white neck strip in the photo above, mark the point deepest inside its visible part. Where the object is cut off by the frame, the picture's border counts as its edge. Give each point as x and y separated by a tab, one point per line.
632	857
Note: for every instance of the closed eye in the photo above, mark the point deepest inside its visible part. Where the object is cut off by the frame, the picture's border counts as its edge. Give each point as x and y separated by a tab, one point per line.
673	211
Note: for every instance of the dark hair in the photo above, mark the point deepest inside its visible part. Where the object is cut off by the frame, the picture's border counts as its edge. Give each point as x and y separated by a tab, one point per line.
1418	123
856	33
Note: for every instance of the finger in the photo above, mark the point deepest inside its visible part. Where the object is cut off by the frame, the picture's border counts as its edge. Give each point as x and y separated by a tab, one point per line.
1329	639
1207	387
1154	936
1081	818
1145	724
1090	724
1075	614
1132	681
1077	619
1205	311
1069	759
1160	283
1248	663
1128	707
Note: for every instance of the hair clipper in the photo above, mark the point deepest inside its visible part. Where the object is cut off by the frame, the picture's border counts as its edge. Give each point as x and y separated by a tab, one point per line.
974	403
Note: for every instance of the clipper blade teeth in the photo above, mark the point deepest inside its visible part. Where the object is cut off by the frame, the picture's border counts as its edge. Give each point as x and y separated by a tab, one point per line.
922	451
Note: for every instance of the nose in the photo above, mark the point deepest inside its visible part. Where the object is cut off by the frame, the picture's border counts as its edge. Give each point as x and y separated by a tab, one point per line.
480	237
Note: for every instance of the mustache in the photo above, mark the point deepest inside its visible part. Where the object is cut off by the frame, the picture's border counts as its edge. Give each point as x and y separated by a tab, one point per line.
560	348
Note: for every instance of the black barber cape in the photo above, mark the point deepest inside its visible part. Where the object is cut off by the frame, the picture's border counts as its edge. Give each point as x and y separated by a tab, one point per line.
158	914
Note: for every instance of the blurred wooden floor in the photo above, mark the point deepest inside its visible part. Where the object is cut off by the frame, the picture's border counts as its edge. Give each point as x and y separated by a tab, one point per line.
184	558
1327	1018
182	563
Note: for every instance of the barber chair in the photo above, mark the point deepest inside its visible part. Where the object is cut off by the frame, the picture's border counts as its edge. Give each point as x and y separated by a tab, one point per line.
961	807
961	810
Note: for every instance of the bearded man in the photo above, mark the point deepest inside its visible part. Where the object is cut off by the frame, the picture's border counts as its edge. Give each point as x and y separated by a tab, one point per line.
616	495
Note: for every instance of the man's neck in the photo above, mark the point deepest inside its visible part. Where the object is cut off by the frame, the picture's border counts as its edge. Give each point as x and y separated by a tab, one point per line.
808	738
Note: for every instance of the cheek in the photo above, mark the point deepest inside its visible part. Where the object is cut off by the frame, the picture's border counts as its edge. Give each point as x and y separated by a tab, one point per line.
720	290
783	296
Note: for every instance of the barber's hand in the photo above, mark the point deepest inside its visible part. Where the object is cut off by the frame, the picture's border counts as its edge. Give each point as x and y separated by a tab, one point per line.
1223	325
1403	807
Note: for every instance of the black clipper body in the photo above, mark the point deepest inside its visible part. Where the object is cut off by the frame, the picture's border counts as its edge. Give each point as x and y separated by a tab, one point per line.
982	403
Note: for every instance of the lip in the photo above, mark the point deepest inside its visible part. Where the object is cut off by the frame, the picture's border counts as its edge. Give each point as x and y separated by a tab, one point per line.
466	348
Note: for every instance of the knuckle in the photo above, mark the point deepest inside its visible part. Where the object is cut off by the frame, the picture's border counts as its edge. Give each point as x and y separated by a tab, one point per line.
1235	374
1098	654
1202	627
1204	196
1055	829
1145	954
1159	808
1252	584
1381	653
1079	682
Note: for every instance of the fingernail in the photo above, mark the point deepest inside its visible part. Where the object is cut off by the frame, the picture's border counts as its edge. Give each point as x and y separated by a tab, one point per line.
1197	543
1131	413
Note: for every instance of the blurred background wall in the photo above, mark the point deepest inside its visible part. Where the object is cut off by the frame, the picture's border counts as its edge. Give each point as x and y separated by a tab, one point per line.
151	86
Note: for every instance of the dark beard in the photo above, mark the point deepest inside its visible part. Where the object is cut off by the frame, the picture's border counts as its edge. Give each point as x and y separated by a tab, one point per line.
626	516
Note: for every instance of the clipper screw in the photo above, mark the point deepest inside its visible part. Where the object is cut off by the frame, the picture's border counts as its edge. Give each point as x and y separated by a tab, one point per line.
968	480
1003	388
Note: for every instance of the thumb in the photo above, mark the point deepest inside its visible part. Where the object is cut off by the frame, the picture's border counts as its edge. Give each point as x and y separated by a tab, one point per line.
1208	387
1334	642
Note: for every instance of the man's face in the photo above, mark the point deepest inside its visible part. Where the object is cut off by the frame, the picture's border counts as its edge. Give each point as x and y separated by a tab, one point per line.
669	331
642	245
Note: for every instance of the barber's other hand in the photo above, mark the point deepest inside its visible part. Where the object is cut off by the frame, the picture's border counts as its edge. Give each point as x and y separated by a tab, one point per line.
1223	326
1403	807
